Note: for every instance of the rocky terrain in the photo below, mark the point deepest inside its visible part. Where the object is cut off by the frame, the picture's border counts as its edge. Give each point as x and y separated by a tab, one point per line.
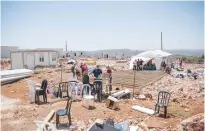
5	64
185	110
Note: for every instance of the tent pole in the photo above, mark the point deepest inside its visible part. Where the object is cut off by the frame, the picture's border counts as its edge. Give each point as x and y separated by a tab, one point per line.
61	70
133	92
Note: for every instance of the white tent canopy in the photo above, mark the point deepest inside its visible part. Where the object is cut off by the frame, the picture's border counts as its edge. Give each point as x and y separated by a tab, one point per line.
146	56
154	53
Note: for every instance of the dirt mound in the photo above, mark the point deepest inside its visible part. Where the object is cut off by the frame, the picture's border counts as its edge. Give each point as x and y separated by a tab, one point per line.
5	64
193	123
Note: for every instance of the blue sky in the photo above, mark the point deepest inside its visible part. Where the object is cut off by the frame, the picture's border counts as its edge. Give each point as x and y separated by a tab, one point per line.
103	25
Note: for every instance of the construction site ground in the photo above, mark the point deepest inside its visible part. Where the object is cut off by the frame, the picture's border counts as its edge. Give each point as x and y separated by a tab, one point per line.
21	116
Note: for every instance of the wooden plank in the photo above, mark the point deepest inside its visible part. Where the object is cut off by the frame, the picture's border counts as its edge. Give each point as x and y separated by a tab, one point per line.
107	103
49	116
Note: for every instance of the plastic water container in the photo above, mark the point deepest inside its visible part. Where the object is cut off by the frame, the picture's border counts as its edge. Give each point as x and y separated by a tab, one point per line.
118	126
126	126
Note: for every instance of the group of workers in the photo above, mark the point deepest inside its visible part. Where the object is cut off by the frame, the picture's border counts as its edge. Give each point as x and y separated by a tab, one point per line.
138	64
165	66
97	73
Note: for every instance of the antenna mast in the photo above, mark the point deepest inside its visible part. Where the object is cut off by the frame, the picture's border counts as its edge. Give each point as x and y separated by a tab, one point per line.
66	46
161	42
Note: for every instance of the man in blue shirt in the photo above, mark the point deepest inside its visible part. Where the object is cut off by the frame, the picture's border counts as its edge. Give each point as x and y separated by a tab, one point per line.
97	72
98	82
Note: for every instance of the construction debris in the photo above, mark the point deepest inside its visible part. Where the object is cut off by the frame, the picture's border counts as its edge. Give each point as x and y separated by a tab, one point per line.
143	109
193	123
102	127
182	91
121	94
179	88
109	124
112	103
142	97
8	76
5	64
143	127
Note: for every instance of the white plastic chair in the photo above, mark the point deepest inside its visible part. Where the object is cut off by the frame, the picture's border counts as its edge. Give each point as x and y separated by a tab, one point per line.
79	91
75	90
32	89
88	99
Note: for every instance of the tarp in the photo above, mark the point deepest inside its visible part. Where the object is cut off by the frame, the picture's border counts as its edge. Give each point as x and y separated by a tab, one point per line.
90	62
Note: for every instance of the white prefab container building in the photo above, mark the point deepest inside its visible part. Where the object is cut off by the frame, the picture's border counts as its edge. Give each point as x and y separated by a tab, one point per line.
6	50
59	50
32	58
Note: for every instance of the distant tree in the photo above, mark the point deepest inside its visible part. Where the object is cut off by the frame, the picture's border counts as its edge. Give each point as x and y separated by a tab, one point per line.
202	56
183	58
200	60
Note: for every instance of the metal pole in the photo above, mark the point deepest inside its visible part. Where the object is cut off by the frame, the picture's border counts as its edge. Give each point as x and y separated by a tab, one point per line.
66	45
134	84
61	71
161	42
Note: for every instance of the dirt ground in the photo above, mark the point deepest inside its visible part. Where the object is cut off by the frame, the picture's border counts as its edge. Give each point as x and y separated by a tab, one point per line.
21	117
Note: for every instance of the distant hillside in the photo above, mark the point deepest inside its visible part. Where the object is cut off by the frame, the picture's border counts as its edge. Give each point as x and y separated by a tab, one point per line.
199	52
110	52
129	53
119	52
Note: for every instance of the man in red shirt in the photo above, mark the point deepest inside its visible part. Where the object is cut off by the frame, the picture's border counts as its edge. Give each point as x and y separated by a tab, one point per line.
84	68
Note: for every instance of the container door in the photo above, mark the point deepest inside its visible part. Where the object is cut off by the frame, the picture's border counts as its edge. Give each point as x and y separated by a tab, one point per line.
17	60
30	60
